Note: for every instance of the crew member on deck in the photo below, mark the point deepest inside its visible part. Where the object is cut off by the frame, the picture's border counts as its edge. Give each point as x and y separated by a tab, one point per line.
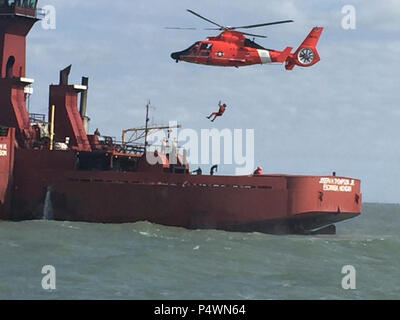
258	171
220	112
199	172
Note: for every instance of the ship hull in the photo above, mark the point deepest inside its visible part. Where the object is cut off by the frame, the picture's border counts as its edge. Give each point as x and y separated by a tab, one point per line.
194	207
256	203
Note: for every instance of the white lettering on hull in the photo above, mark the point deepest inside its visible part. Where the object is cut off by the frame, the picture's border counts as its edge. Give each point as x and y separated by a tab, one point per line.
3	150
337	184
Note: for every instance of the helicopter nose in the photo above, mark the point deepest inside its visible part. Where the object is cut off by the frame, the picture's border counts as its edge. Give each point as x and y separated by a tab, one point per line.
176	56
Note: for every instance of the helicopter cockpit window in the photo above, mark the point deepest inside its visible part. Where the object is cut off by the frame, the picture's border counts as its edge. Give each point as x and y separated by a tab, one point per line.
206	46
192	49
205	49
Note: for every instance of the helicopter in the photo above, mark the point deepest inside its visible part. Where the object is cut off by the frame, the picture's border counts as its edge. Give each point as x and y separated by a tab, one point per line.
232	48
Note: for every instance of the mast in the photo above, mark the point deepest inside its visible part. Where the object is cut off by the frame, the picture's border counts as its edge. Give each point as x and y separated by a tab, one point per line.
146	127
144	132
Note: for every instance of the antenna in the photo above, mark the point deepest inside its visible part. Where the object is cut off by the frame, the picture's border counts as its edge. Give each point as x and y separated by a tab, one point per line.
146	127
144	132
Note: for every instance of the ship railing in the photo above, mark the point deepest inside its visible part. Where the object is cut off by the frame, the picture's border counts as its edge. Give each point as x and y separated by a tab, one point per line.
140	148
37	13
110	143
131	148
166	149
40	13
181	181
136	148
37	117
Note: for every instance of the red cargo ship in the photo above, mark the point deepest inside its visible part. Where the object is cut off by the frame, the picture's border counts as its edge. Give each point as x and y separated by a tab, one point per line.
77	176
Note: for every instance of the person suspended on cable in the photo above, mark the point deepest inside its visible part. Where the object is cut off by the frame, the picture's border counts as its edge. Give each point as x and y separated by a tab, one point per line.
222	108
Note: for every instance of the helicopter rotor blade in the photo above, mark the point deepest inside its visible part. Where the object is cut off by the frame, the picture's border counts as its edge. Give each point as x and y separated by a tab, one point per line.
196	14
248	34
254	35
179	28
261	24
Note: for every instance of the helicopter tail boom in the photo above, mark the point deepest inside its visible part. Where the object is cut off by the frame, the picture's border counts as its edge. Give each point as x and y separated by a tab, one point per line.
284	55
306	55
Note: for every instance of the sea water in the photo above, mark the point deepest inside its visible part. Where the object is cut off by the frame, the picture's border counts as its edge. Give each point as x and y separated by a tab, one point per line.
148	261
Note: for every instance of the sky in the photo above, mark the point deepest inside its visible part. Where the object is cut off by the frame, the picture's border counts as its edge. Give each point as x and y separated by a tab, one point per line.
339	115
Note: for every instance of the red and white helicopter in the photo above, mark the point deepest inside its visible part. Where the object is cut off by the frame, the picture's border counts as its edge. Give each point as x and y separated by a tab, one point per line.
232	49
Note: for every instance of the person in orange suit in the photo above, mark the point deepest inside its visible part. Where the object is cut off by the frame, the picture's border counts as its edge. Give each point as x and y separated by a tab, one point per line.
222	108
258	171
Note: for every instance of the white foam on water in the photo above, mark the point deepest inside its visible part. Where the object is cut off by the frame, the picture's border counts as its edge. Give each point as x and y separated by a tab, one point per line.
48	208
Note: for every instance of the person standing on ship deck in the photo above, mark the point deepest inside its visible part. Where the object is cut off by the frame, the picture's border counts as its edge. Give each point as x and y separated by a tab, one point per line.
258	171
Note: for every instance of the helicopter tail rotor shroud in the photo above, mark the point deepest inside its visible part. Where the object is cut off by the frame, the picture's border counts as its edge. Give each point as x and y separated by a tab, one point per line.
306	55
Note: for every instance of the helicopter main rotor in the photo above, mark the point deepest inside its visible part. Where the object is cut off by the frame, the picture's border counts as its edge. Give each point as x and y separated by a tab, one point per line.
225	28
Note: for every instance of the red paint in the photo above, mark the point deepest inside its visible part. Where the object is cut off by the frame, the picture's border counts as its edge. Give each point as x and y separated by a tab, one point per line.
13	31
233	49
13	112
7	139
309	43
269	203
68	122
